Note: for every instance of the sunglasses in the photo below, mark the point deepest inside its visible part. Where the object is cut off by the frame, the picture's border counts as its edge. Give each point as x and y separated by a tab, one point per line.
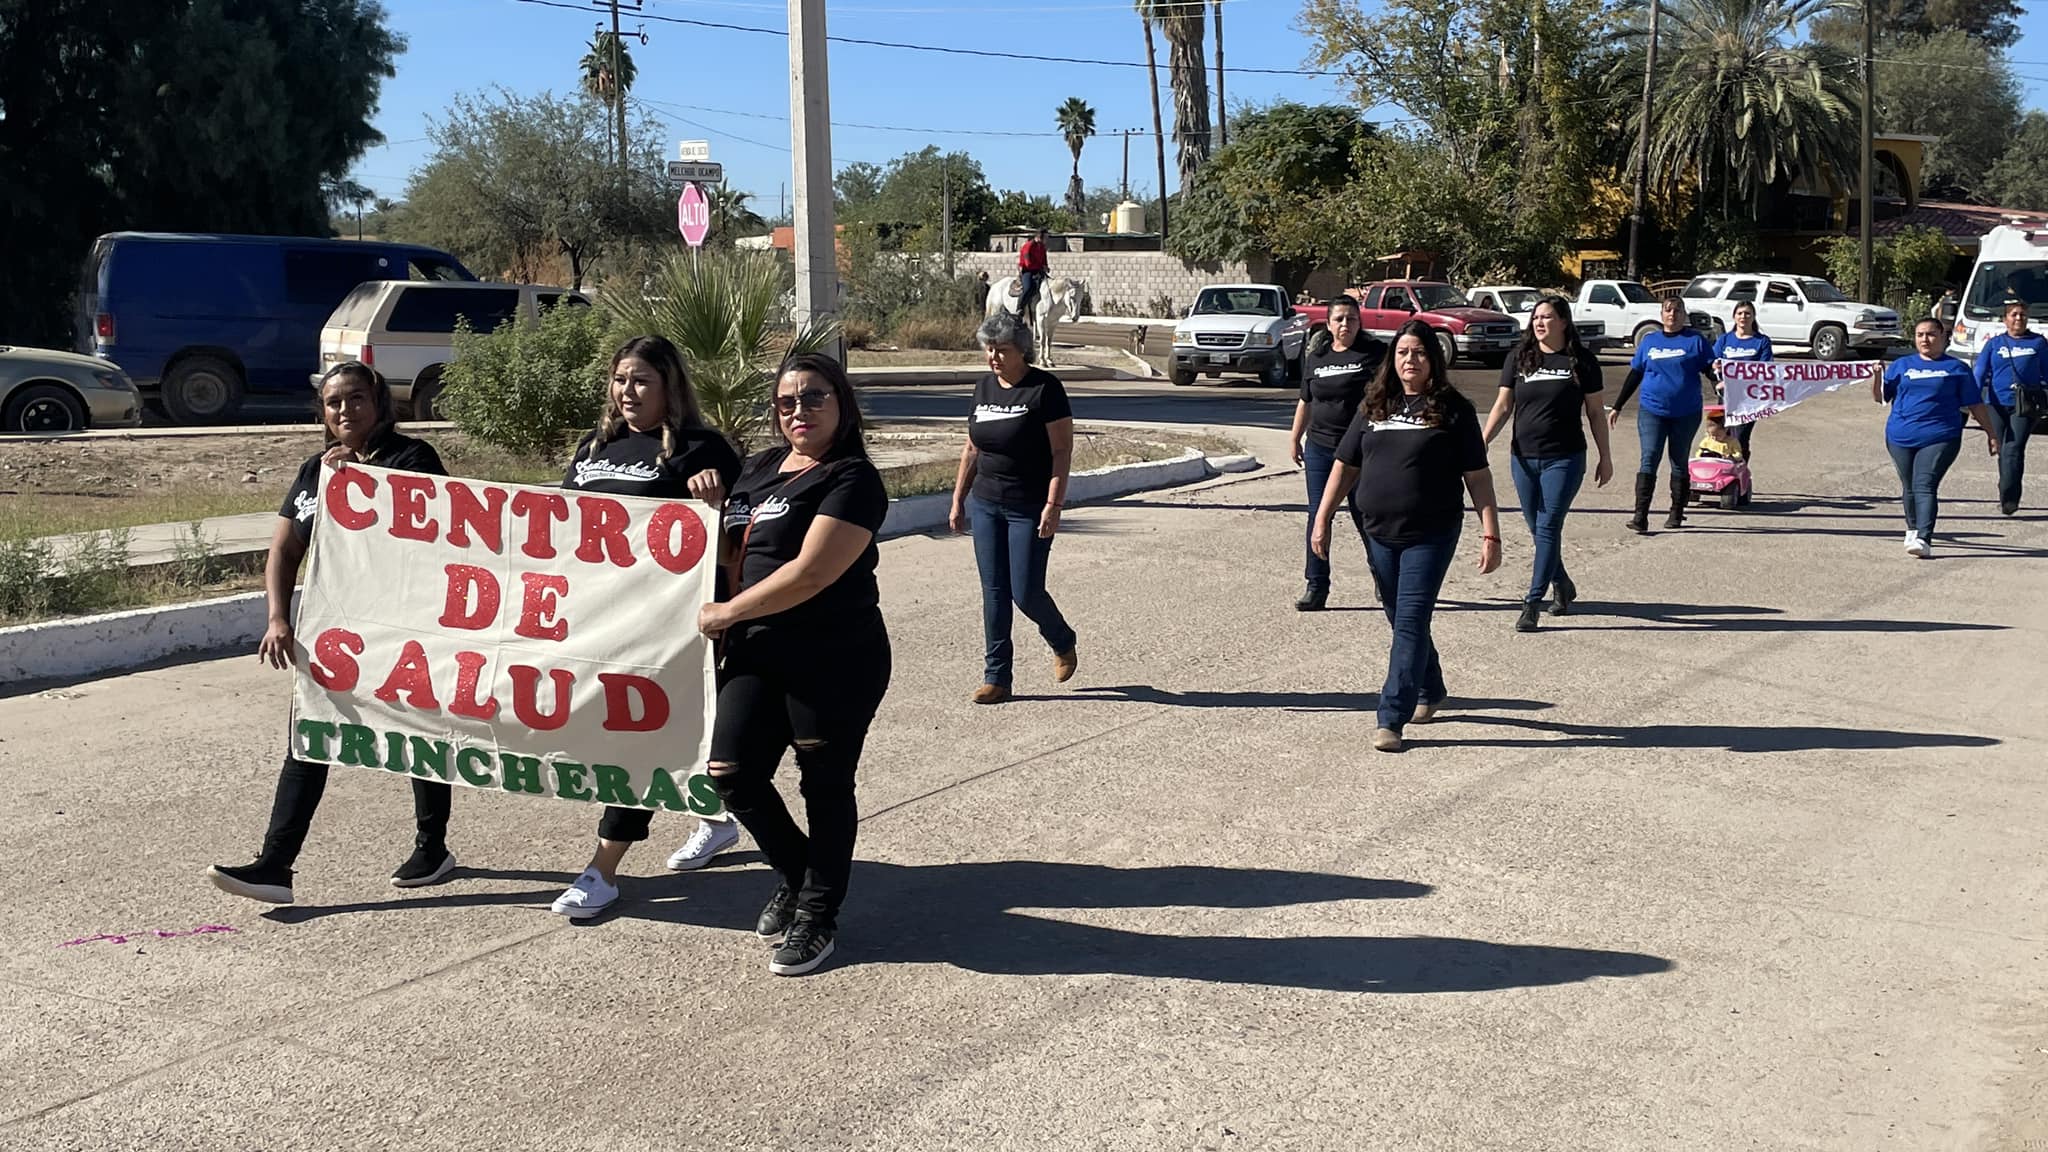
810	400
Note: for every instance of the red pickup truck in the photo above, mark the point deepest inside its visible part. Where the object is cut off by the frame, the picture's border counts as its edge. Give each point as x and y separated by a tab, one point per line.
1462	331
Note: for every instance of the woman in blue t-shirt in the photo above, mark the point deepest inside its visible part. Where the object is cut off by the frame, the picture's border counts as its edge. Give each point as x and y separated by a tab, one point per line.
2015	358
1928	392
1743	342
1667	366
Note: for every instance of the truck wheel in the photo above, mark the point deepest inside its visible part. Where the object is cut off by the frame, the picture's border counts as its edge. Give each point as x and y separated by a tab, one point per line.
1181	377
43	409
1643	330
426	394
1830	342
1448	346
1275	374
202	390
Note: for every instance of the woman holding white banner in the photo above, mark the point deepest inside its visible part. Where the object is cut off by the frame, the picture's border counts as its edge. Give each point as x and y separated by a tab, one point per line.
361	424
806	654
1667	366
650	441
1928	392
1742	342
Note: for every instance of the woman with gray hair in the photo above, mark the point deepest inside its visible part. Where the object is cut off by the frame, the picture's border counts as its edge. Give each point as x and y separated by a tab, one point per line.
1009	491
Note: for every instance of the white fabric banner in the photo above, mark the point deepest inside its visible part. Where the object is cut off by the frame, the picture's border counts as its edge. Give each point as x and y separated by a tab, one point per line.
504	636
1754	389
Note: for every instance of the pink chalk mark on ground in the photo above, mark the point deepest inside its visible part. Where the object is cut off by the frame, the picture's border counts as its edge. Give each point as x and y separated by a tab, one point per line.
150	934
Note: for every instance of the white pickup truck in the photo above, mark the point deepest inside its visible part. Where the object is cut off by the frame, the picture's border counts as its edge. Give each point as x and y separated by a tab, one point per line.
1519	301
1240	328
1796	310
1626	307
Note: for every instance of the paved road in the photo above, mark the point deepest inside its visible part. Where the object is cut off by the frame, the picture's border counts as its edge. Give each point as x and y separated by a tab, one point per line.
1747	854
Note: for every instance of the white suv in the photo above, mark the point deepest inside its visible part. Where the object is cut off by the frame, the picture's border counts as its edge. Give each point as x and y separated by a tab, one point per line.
1796	310
405	329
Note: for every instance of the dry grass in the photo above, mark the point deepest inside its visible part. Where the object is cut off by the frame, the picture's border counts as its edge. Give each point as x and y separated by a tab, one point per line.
938	333
914	358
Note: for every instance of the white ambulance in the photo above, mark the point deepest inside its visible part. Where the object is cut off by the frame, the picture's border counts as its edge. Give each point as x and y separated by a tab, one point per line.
2012	261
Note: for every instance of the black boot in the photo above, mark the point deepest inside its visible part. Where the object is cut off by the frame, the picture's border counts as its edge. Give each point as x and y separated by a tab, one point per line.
1646	487
1312	599
1681	489
1563	592
1532	611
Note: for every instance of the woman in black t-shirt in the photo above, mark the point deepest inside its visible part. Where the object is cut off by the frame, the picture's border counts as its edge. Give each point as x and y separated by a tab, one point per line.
1010	488
1551	386
1412	452
1332	386
806	656
361	423
650	441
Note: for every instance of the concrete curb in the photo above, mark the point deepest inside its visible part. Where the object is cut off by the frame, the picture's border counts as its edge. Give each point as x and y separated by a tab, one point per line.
88	646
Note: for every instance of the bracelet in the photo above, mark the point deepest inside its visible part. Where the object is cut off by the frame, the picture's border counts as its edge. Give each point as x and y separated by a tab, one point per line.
1495	539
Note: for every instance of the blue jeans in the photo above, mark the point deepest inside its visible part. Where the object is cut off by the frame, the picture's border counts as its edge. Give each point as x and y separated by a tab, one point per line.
2013	434
1668	436
1920	473
1546	488
1012	558
1409	577
1318	462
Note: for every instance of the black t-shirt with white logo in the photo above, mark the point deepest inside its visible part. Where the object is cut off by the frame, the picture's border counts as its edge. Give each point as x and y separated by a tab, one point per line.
767	516
1333	385
1411	480
1550	404
1008	430
302	504
630	464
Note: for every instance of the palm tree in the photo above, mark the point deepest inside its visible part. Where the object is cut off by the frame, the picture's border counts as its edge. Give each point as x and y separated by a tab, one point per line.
339	192
1076	121
1222	117
730	213
1158	129
604	54
721	311
1182	23
1738	105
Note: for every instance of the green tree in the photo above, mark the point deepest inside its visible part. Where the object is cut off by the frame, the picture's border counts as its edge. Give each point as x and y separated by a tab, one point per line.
732	216
1182	23
909	206
345	192
1076	122
515	180
1955	88
1022	210
1994	23
172	115
2020	177
857	189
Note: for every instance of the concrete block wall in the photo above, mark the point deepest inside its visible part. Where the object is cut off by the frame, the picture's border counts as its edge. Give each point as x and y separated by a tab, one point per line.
1135	278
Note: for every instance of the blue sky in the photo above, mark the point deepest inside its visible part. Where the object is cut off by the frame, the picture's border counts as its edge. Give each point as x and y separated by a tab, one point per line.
457	46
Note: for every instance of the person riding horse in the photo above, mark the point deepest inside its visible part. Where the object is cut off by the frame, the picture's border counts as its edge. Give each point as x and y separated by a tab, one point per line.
1031	273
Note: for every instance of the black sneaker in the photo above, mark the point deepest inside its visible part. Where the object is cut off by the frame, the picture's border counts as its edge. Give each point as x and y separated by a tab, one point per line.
1312	599
425	866
1532	610
1563	592
805	947
776	917
2009	507
256	881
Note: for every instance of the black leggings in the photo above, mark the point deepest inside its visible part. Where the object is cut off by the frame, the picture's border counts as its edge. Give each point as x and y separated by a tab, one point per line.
780	693
301	784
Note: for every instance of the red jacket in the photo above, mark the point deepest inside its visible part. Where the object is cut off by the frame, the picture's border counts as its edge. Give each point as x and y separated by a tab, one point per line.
1031	257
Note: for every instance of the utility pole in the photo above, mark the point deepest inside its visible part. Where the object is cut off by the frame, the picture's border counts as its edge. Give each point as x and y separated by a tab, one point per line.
1222	117
810	145
1865	290
1635	218
946	212
1158	125
618	92
1127	164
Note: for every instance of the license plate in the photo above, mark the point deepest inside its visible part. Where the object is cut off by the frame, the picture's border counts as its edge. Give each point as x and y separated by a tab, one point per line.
1219	357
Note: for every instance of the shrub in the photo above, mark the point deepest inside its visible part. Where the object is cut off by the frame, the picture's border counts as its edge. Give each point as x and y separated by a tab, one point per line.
1160	305
25	582
195	560
528	388
859	333
95	573
950	333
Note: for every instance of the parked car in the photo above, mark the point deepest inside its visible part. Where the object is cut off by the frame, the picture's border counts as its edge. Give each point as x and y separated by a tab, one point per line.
1628	309
1461	329
2012	261
202	321
1240	328
1519	301
46	391
1796	310
406	329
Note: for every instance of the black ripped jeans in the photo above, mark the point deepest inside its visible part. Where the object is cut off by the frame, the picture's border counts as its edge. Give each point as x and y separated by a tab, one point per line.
301	784
816	695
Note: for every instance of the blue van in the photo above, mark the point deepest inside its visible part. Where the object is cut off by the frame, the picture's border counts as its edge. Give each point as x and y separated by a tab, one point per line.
200	321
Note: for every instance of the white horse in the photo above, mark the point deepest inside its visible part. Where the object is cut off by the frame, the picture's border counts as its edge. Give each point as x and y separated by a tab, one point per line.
1062	289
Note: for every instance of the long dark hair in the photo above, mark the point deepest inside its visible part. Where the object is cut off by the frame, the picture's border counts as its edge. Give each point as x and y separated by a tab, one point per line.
380	396
680	409
1441	403
1529	353
846	439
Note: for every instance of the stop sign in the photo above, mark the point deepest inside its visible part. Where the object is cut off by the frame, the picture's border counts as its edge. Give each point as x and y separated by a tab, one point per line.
693	215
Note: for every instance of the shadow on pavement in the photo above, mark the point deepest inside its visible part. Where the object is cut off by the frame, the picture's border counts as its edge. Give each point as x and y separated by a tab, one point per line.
1738	618
1728	737
969	916
1292	701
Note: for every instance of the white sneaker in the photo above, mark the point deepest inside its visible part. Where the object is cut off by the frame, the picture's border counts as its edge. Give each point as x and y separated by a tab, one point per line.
1915	546
710	838
1910	536
587	897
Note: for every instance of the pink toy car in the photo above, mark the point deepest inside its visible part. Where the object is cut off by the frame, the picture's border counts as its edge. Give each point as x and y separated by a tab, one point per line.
1726	479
